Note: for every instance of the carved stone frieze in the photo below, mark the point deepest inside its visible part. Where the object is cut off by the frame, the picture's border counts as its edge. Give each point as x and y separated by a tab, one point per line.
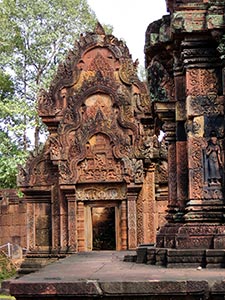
209	104
101	192
196	174
202	82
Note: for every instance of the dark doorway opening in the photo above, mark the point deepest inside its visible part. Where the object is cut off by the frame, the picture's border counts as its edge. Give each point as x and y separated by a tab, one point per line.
103	223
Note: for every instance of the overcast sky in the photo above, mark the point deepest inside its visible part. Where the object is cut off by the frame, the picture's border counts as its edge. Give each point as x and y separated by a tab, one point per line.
130	19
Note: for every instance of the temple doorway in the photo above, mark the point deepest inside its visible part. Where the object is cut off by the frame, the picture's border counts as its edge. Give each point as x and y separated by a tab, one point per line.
103	226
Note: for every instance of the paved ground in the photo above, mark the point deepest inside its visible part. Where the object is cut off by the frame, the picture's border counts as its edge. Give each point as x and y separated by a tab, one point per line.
105	272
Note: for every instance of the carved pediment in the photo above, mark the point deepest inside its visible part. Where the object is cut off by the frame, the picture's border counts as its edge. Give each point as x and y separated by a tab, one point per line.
94	110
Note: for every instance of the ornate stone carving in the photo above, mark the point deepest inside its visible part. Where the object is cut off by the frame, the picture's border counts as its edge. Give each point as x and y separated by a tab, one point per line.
202	82
101	192
210	104
213	161
161	82
96	151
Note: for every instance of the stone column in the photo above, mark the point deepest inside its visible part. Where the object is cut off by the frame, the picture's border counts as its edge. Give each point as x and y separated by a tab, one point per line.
166	236
170	130
205	114
181	138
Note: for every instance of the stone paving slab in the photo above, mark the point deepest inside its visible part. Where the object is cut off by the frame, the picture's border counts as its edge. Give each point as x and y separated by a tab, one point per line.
105	273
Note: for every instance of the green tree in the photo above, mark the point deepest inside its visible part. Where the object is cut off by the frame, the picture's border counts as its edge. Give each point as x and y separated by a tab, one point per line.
34	37
11	152
41	33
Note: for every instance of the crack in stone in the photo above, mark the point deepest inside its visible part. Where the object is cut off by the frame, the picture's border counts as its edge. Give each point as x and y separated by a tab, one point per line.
97	286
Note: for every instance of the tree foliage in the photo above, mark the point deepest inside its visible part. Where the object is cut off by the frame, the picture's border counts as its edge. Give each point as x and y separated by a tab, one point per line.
34	37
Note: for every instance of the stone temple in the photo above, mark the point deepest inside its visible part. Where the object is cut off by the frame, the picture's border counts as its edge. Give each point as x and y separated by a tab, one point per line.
103	180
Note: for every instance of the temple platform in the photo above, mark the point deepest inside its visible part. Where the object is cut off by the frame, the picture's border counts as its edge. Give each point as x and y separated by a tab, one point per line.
105	275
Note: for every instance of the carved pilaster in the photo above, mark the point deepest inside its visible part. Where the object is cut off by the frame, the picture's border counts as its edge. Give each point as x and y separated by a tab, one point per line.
72	233
170	130
55	220
80	226
123	225
132	219
30	226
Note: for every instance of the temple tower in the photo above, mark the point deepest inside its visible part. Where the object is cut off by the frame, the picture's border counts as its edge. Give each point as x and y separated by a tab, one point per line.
185	63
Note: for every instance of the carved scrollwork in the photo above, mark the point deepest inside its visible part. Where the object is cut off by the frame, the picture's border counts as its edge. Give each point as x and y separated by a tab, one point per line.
202	83
101	193
208	104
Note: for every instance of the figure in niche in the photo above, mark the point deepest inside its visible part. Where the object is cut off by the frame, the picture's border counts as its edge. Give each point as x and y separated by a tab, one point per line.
214	162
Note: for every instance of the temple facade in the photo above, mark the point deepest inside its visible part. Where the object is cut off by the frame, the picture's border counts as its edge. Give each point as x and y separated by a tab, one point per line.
93	185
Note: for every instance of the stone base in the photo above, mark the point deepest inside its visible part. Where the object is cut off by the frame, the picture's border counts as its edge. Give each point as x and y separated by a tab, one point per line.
34	262
181	245
191	236
182	258
103	275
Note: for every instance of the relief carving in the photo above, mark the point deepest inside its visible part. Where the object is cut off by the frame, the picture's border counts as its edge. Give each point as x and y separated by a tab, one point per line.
213	161
99	164
204	104
202	82
127	72
101	193
161	82
45	103
133	170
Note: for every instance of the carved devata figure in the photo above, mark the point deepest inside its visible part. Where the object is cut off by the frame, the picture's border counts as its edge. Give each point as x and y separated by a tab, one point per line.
214	161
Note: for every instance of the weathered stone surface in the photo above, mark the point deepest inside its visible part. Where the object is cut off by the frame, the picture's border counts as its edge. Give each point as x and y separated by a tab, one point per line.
105	276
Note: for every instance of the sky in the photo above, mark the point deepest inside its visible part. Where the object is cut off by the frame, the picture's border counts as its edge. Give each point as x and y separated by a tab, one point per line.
130	19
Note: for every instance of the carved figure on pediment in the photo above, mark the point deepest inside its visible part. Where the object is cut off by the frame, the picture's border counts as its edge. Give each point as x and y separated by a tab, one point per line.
142	102
214	161
138	170
71	115
22	175
64	171
160	81
128	169
163	149
54	147
44	102
40	174
127	72
151	145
